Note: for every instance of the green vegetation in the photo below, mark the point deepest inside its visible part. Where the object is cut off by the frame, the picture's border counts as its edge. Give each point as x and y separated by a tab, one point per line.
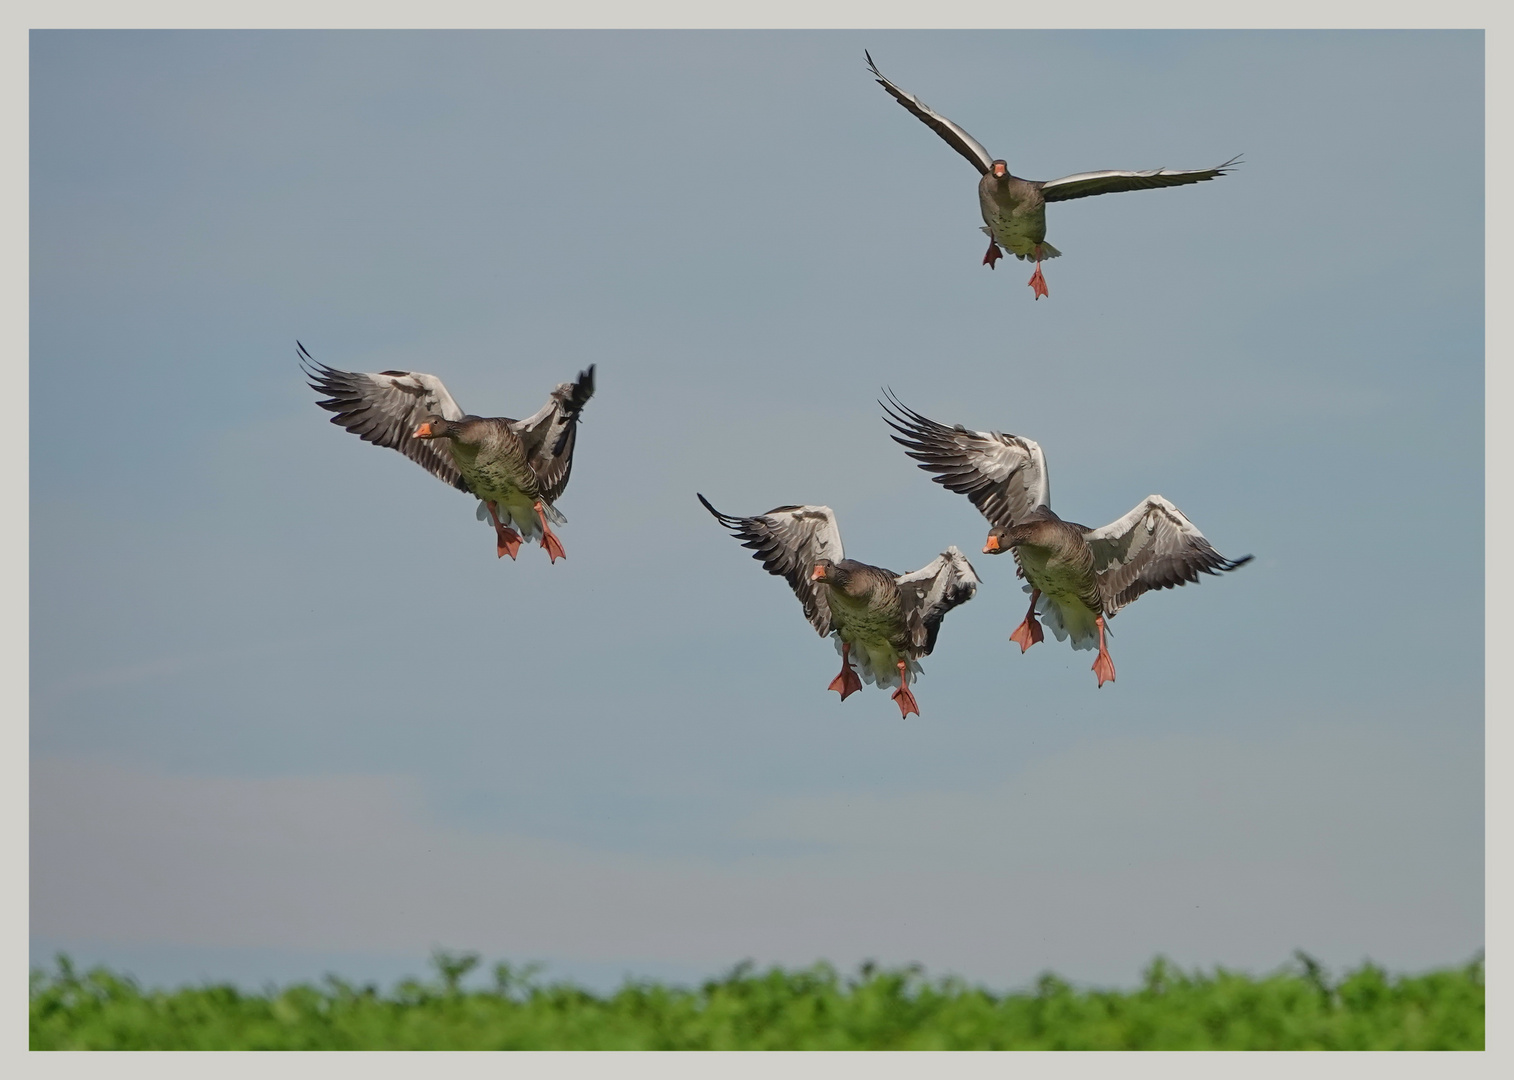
775	1009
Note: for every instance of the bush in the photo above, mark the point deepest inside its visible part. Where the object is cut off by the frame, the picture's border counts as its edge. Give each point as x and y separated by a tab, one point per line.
812	1009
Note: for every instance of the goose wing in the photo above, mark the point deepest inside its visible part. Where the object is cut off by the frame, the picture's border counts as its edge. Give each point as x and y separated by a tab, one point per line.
385	407
1154	546
1003	475
550	433
959	140
930	592
789	541
1081	185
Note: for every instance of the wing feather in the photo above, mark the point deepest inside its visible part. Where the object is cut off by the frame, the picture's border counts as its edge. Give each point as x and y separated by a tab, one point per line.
1154	546
1003	475
1081	185
929	593
789	541
551	432
956	138
385	407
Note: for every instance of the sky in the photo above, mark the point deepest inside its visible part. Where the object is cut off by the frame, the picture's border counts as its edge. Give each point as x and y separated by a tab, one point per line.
289	714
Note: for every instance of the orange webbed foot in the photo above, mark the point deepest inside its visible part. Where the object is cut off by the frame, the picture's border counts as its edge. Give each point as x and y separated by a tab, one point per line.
1027	634
507	540
1103	667
549	539
846	684
993	255
1038	283
902	697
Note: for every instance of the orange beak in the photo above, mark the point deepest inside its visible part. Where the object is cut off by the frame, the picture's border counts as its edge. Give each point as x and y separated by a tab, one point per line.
992	545
999	170
422	432
818	574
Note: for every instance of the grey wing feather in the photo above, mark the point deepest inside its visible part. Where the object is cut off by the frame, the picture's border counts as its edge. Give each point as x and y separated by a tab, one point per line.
1154	546
1081	185
385	407
551	432
956	138
929	593
789	541
1003	475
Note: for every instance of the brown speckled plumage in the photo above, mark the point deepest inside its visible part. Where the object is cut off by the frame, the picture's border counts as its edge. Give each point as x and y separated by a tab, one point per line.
1080	575
886	618
1014	209
511	463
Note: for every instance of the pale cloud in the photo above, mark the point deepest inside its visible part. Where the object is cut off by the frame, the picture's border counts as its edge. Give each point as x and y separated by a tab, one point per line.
1217	853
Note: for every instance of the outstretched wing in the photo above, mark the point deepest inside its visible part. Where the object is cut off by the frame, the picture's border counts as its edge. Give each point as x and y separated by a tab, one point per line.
933	590
550	433
1153	547
1003	475
789	541
1081	185
959	140
385	407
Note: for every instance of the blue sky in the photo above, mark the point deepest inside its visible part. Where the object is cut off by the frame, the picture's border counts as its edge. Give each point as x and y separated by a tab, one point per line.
289	712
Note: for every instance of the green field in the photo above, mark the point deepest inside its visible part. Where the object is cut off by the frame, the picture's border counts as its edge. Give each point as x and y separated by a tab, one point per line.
1297	1008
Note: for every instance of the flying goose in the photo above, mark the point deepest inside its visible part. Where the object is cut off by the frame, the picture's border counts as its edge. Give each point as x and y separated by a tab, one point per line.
1080	576
1014	210
516	468
890	620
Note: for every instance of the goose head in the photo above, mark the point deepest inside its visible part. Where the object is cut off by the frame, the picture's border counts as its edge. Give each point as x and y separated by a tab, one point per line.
828	573
435	427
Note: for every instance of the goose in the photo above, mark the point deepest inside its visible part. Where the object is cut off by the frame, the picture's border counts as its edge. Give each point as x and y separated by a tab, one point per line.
516	468
887	620
1079	576
1014	210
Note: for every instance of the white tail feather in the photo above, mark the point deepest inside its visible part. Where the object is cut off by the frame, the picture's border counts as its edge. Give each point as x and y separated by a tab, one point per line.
1047	251
866	665
1073	621
523	520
